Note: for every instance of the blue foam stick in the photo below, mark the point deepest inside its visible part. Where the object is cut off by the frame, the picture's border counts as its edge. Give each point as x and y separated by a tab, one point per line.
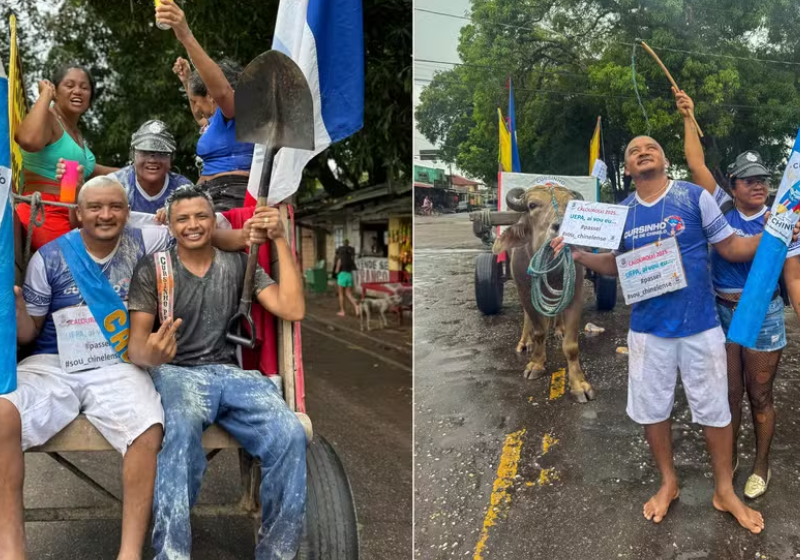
768	262
8	318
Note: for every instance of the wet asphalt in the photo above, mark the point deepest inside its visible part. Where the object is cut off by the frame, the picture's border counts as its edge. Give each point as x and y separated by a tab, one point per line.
583	497
361	405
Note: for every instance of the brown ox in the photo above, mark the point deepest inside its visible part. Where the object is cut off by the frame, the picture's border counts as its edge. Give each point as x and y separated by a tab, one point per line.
538	224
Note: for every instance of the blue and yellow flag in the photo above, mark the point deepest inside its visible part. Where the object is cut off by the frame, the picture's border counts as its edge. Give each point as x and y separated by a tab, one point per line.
8	318
505	143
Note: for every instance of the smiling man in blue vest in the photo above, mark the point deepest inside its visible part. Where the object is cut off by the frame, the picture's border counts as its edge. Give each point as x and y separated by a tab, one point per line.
72	309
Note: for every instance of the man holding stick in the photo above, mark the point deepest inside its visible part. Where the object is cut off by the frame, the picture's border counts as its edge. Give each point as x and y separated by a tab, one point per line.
677	329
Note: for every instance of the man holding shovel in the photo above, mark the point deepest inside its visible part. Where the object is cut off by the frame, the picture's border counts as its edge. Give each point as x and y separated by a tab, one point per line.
194	290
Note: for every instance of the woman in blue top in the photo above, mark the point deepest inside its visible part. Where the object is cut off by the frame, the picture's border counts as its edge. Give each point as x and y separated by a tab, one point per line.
750	369
226	162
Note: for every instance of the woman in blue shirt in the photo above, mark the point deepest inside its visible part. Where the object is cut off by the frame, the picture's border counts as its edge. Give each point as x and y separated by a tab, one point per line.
226	162
750	369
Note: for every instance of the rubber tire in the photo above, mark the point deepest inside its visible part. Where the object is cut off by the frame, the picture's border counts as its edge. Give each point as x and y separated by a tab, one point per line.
605	291
488	284
330	531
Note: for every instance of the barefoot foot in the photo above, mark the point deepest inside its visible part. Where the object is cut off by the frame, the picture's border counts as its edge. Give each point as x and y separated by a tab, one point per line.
656	508
341	314
748	518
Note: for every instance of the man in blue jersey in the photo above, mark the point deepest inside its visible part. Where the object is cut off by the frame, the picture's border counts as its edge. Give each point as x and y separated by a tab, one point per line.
148	180
72	309
678	329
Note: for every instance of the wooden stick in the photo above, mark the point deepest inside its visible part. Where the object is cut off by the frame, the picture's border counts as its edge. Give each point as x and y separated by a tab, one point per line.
669	76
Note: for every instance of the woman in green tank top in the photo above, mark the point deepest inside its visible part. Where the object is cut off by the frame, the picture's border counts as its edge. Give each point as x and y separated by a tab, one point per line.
50	132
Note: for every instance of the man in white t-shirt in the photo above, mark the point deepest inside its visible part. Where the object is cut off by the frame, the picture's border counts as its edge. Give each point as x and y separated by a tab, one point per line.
62	378
678	329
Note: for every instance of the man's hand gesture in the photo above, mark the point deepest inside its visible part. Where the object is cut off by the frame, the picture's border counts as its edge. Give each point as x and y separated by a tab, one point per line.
162	345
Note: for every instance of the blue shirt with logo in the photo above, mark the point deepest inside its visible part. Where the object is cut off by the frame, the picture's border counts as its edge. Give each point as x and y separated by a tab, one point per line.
731	277
690	214
49	285
138	199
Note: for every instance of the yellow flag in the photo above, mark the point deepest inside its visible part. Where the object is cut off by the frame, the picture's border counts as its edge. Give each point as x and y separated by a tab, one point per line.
594	146
17	105
505	143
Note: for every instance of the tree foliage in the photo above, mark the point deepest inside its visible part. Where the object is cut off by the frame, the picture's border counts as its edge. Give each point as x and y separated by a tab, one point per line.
570	61
132	61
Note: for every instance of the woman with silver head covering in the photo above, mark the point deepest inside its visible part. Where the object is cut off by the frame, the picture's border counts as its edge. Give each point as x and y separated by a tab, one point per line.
148	180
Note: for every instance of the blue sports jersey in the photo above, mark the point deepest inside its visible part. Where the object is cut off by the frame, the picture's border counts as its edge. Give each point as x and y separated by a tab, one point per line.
731	277
138	199
689	213
49	285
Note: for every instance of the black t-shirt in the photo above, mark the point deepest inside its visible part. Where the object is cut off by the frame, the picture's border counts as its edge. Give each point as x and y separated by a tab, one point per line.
205	304
347	256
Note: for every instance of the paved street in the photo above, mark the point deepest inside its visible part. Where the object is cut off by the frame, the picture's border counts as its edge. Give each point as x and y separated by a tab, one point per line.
360	403
568	480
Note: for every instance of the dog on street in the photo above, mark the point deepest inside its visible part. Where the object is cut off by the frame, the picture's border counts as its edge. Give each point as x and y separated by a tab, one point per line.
368	306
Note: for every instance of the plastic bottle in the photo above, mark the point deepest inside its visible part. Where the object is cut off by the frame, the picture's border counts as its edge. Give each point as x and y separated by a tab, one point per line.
162	26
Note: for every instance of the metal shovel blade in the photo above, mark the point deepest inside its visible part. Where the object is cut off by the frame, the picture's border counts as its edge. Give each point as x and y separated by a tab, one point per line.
273	104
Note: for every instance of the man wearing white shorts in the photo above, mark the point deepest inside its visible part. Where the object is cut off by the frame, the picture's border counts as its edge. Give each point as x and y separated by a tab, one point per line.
75	369
677	330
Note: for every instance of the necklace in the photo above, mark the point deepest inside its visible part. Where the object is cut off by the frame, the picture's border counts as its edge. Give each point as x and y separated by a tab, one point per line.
663	207
657	193
74	132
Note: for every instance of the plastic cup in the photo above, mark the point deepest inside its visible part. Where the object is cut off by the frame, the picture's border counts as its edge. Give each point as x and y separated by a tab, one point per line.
69	182
162	26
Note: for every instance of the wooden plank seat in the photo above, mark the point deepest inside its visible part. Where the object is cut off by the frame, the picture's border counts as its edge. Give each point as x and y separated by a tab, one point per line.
80	435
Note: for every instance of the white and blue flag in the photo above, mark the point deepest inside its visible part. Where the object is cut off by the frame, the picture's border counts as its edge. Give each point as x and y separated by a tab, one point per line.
325	38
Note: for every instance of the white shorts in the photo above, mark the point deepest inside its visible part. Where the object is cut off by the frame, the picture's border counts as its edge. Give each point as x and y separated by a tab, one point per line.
653	364
119	400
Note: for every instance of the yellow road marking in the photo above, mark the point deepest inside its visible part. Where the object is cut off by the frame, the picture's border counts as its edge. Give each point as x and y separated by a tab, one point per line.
557	384
547	476
547	442
500	499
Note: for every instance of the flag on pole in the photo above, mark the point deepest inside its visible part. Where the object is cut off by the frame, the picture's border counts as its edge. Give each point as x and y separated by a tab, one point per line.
505	143
326	40
762	280
8	319
515	165
17	105
594	146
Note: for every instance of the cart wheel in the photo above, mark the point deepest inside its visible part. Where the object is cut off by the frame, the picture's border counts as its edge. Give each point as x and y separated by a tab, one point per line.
330	531
605	291
488	284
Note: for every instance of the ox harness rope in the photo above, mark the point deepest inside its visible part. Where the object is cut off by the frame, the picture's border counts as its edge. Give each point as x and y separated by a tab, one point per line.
542	264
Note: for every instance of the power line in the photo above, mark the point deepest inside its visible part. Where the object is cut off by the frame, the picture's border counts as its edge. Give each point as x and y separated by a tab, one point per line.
628	44
608	96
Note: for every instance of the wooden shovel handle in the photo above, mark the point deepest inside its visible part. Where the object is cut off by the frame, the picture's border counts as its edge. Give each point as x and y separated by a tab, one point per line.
672	81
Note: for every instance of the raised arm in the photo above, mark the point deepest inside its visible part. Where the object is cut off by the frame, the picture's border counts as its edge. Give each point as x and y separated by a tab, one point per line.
183	71
216	83
36	129
695	158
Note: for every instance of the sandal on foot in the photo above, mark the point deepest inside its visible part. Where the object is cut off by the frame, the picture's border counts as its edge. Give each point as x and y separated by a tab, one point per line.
757	486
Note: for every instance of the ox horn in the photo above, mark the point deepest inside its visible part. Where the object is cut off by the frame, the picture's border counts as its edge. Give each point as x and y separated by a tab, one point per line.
515	200
576	195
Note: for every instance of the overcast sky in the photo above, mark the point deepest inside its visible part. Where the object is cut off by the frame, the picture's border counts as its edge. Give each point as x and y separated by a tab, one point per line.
435	38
